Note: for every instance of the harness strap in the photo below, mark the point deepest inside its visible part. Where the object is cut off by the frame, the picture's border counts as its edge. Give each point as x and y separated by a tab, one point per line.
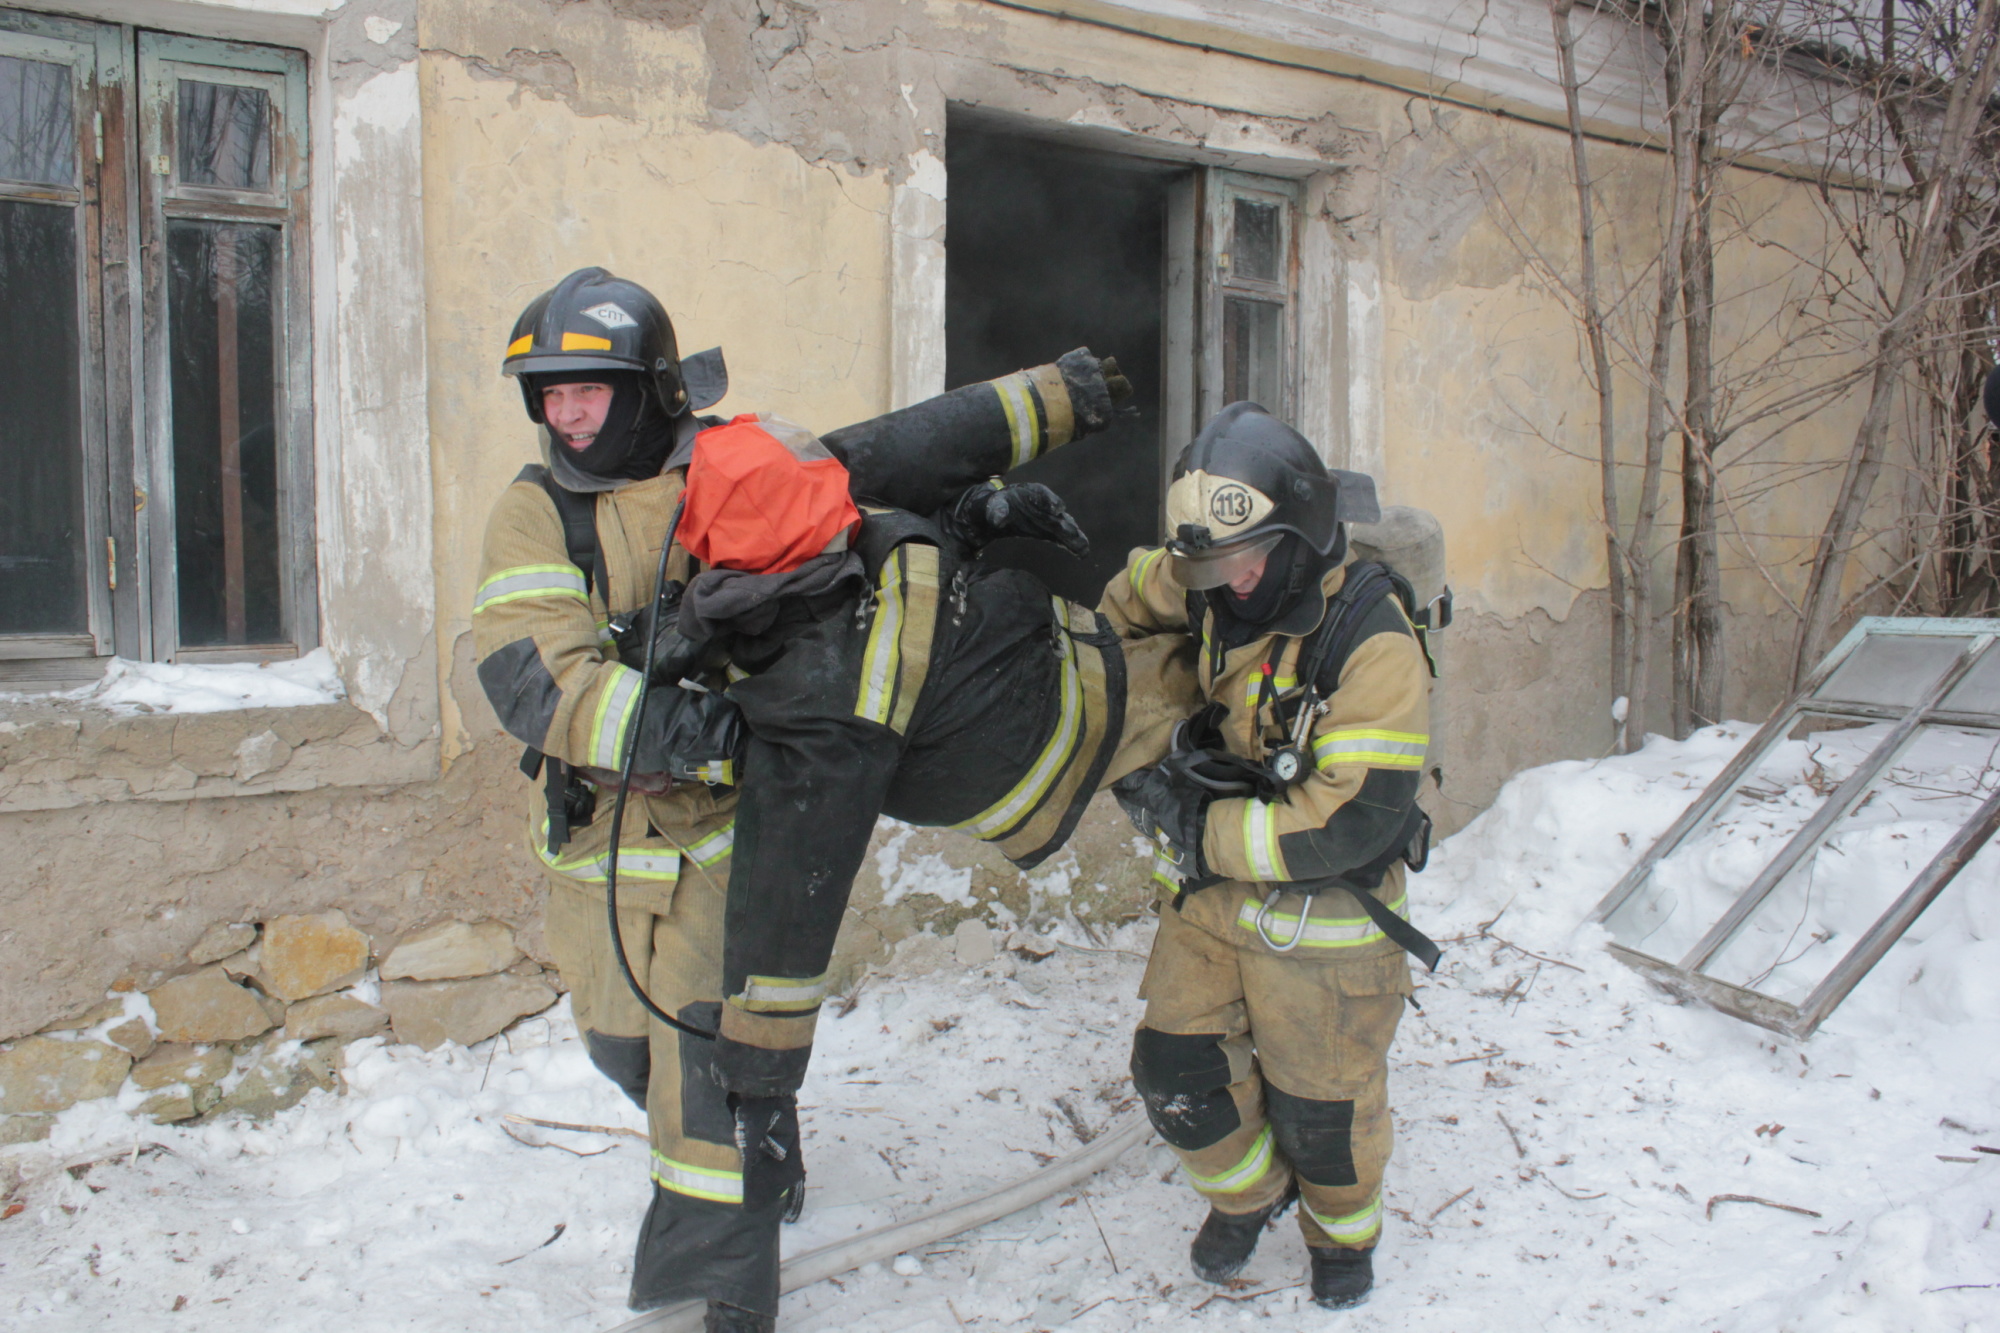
1400	932
579	523
578	513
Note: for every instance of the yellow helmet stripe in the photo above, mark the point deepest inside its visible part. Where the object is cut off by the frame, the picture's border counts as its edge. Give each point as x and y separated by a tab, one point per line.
585	342
521	344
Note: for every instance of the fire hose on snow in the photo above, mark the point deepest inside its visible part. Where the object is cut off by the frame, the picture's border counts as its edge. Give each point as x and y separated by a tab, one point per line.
840	1256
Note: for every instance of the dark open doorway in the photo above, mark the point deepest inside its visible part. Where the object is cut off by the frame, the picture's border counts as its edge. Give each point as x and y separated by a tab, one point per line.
1051	247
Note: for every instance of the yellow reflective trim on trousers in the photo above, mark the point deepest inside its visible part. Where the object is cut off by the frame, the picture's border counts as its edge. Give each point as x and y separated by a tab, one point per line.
697	1182
1374	747
519	582
880	660
1240	1177
781	995
1145	566
714	848
1018	402
634	863
1166	872
1056	753
1340	932
913	640
1353	1229
616	703
1260	840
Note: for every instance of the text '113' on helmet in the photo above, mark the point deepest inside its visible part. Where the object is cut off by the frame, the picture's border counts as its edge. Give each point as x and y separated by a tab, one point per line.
594	321
1246	481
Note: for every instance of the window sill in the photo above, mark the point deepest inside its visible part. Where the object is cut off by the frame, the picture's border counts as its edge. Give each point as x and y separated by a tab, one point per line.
59	754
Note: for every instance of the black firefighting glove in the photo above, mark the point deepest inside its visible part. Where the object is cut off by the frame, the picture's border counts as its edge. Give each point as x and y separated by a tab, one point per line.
767	1134
690	735
987	512
1098	390
674	654
1115	382
1171	811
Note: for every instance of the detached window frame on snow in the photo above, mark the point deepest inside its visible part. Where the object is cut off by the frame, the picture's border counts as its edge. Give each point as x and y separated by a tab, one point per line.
1910	674
154	274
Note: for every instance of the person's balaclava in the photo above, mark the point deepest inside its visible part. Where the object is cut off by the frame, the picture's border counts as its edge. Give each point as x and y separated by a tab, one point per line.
1292	568
636	437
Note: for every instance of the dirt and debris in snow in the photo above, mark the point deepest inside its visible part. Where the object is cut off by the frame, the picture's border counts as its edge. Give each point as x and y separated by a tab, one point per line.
1574	1149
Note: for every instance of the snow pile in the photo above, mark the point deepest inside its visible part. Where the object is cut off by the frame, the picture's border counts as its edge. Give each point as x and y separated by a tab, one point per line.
1568	1138
157	687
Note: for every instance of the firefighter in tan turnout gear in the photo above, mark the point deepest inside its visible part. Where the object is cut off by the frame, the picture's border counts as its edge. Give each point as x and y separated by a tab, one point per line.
572	554
1283	820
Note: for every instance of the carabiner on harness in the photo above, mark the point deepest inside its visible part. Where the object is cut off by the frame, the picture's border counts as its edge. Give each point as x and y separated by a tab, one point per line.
1265	913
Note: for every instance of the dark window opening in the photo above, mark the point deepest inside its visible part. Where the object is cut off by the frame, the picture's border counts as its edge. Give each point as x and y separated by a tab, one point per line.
42	568
1050	247
224	335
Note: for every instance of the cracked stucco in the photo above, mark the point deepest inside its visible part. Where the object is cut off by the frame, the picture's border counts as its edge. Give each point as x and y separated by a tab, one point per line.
774	170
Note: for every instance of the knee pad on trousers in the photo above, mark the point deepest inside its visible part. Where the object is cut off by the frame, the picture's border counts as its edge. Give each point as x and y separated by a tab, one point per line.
705	1113
1317	1138
1184	1080
626	1061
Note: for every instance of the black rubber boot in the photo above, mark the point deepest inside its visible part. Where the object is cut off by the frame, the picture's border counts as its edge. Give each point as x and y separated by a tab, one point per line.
723	1318
1341	1278
1227	1240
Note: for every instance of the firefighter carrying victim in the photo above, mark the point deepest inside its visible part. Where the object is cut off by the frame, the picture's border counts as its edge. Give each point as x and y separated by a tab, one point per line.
870	665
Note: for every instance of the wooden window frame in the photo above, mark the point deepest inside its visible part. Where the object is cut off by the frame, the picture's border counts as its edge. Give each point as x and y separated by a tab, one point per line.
1222	280
164	59
123	94
99	66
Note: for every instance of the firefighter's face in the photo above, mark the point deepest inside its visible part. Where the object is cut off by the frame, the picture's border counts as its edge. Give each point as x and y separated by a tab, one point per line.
1246	583
575	412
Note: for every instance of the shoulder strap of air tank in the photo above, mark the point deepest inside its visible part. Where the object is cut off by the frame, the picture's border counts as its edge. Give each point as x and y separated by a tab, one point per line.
883	530
1367	583
578	512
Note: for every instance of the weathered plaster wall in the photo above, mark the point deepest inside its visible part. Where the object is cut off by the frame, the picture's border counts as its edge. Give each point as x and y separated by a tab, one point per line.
774	171
1491	420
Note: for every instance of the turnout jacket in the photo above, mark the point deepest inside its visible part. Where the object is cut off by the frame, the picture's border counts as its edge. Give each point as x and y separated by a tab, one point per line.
541	627
551	671
937	691
1366	749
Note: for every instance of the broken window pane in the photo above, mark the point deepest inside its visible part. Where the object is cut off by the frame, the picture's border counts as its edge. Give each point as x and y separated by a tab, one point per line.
224	136
1818	912
1892	670
1691	889
1253	357
42	566
223	310
1978	691
37	126
1254	250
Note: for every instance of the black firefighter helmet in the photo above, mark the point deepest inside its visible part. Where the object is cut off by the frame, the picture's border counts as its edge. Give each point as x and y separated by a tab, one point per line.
594	321
1246	481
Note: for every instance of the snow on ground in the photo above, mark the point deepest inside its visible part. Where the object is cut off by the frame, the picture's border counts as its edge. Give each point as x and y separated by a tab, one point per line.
129	687
1563	1128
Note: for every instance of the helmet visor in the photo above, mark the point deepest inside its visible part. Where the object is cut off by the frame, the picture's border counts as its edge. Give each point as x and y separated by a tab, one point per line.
1214	566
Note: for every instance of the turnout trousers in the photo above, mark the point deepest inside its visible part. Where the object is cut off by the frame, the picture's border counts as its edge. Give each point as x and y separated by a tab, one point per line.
697	1242
1261	1068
